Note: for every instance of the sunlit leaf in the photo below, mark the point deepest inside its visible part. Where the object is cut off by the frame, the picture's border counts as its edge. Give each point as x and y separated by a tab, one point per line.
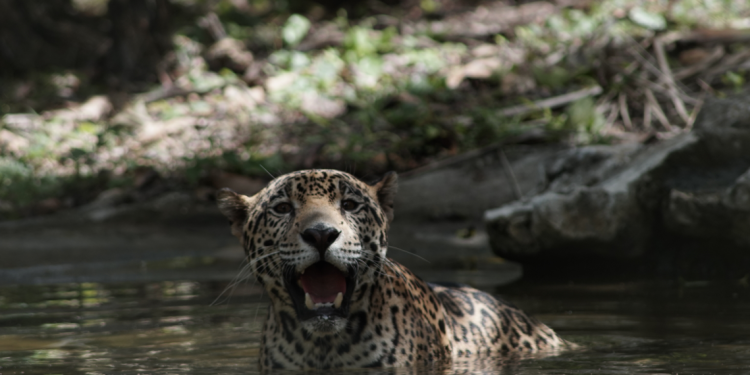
295	29
647	19
359	40
89	127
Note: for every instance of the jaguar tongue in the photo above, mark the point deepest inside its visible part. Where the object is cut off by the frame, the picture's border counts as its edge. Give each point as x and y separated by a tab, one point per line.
323	282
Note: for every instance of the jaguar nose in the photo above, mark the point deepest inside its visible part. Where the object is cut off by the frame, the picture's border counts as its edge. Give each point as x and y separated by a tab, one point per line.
320	238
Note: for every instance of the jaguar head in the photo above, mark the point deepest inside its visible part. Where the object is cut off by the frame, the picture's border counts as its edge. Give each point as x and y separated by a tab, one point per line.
314	239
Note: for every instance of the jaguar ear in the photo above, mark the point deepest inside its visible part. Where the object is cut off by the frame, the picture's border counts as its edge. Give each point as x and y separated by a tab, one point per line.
235	207
386	192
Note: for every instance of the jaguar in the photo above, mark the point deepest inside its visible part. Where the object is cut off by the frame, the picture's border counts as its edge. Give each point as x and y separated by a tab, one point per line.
316	240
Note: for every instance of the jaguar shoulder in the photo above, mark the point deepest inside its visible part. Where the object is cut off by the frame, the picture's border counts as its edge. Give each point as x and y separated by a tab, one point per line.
317	240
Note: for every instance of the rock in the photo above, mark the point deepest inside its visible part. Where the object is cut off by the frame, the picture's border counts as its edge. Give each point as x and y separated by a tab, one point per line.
106	204
721	214
672	199
47	206
589	205
719	114
438	222
465	189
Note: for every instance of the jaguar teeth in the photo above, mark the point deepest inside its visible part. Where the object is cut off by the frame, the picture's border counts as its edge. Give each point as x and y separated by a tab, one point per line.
309	302
314	306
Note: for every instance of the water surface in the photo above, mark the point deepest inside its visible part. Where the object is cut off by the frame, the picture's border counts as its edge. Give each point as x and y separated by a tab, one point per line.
171	327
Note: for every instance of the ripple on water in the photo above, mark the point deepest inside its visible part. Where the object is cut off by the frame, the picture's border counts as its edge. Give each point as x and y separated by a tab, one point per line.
171	327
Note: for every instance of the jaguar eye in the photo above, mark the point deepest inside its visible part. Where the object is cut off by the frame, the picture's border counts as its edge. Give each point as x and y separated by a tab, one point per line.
283	208
349	205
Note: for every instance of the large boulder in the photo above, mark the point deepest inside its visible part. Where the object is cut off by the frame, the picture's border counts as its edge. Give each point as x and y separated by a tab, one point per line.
465	189
677	202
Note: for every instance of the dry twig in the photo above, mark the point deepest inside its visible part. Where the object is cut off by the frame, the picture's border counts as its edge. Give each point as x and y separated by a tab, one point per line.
638	54
706	87
695	113
717	36
613	112
669	80
553	102
623	103
662	90
729	63
656	108
715	55
647	116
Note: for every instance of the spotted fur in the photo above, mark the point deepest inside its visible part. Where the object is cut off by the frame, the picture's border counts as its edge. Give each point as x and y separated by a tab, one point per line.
394	318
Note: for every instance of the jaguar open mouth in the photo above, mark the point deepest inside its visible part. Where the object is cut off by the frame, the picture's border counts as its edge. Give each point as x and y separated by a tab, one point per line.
321	290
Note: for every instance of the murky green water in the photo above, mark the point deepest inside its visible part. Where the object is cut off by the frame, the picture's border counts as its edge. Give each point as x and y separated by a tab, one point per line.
170	327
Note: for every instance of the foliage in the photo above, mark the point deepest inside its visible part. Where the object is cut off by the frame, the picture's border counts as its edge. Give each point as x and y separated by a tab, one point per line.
295	29
332	89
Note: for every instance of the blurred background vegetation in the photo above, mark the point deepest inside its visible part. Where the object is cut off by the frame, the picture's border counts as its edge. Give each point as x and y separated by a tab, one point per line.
124	99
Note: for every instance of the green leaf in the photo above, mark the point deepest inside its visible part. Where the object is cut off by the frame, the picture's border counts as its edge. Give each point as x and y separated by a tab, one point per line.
369	70
295	29
554	76
89	127
429	6
736	80
585	119
359	40
652	21
206	81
